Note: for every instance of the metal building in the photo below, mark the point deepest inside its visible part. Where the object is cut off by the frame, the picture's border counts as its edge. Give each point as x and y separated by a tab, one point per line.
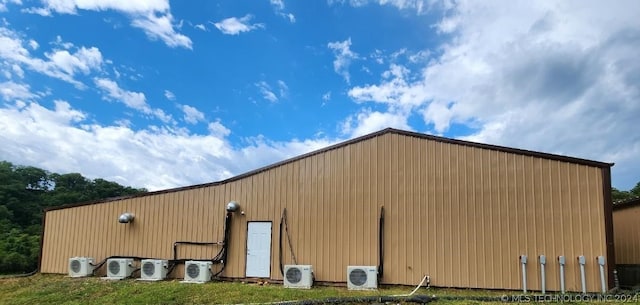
409	203
626	229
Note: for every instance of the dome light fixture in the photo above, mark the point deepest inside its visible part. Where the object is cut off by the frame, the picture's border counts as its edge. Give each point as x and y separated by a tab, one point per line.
126	218
232	206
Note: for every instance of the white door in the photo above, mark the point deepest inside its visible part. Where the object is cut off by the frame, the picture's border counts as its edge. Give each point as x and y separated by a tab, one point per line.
259	249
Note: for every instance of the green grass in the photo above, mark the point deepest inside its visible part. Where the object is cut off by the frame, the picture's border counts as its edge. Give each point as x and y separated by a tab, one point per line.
58	289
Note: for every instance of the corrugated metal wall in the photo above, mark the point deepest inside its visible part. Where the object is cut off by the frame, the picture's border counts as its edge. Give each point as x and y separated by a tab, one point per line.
460	214
626	230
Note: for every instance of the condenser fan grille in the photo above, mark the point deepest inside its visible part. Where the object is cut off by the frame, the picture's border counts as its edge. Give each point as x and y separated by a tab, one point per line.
294	275
358	277
75	266
148	268
193	271
114	267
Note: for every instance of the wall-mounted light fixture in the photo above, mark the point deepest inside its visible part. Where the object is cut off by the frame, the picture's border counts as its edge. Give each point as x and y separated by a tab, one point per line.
126	218
232	206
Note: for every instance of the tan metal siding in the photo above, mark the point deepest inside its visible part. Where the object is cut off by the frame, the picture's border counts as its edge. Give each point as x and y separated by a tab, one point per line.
461	214
626	232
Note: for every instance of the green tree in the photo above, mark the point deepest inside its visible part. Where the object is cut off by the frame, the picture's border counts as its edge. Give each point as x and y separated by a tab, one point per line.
635	191
25	191
619	196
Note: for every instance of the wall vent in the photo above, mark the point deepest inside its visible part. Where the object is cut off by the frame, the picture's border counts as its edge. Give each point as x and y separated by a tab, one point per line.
362	277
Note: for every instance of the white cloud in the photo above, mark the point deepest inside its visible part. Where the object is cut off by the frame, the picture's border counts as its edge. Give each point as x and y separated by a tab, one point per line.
266	91
11	91
17	70
3	4
219	130
344	56
59	42
191	114
60	64
277	4
291	17
419	6
535	75
200	27
133	100
235	26
152	16
161	27
84	60
155	158
33	44
270	94
278	7
131	7
326	98
368	121
394	89
284	89
169	95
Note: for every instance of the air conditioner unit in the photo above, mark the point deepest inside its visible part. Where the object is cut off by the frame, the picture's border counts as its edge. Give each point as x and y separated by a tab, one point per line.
81	266
153	269
197	271
362	277
298	276
119	268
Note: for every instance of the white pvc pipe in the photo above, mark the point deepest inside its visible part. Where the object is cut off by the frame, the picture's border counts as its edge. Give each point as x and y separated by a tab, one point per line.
601	262
583	280
543	261
523	261
561	261
425	278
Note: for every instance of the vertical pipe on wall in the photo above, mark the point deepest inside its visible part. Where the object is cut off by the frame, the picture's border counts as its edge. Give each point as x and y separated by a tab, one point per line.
543	283
561	261
523	261
601	262
583	281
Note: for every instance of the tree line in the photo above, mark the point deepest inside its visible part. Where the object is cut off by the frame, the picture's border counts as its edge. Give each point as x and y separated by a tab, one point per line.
25	191
620	196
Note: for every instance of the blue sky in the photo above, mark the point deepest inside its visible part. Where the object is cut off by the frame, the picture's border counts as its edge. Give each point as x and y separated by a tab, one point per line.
160	93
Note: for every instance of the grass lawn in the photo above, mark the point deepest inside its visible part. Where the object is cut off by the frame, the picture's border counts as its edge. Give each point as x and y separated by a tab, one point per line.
59	289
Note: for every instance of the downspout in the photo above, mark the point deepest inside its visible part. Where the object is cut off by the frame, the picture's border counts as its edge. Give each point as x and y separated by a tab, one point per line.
561	262
523	261
608	225
227	233
381	245
601	263
583	282
280	246
543	284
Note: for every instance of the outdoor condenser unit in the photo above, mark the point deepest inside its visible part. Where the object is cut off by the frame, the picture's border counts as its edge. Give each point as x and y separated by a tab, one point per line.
153	269
197	271
119	268
362	277
80	266
298	276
